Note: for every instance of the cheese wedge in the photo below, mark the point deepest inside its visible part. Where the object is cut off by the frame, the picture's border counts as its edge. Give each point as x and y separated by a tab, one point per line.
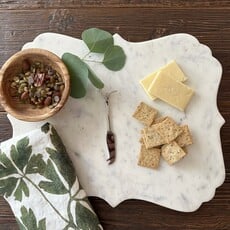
171	91
171	69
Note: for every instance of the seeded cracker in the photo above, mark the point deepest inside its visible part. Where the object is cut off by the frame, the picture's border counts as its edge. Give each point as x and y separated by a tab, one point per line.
159	120
152	138
185	138
149	158
145	114
141	140
168	129
172	152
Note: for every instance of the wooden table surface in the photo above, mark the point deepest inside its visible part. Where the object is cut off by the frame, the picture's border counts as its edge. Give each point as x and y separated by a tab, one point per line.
135	20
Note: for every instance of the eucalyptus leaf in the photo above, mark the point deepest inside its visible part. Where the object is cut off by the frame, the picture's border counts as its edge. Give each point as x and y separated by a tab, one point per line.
94	79
97	40
114	58
78	72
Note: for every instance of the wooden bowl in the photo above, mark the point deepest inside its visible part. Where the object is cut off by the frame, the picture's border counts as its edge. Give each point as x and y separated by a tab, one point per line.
13	66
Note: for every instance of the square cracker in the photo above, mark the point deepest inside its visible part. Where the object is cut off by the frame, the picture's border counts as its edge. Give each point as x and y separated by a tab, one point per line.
172	152
168	129
145	114
152	138
149	158
185	138
141	140
159	120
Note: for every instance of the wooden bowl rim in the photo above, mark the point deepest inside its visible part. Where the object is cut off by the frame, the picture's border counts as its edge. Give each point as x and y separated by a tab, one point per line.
53	59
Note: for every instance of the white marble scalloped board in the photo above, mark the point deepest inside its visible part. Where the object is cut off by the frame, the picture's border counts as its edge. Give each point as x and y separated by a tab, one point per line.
82	124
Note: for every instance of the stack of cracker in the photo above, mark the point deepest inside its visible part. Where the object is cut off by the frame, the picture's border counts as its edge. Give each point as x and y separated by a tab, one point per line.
160	136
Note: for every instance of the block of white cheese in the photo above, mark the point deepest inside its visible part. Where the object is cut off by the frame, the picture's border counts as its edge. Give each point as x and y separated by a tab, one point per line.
171	91
171	69
146	82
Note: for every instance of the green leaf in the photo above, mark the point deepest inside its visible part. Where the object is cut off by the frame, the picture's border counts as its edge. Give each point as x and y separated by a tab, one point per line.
97	40
85	218
114	58
21	226
36	164
62	163
45	128
6	166
54	185
61	159
21	153
29	220
78	72
94	79
66	227
42	224
57	142
22	188
7	186
72	226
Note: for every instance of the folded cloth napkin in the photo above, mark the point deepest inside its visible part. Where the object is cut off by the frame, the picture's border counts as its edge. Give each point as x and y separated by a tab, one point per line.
38	180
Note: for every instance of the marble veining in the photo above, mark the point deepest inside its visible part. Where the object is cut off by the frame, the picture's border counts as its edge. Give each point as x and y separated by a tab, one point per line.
83	124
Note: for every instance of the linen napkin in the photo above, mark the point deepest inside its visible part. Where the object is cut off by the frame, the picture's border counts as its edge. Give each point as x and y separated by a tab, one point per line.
38	180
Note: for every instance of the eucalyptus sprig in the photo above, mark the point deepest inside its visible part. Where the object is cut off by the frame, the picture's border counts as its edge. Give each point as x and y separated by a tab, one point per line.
97	41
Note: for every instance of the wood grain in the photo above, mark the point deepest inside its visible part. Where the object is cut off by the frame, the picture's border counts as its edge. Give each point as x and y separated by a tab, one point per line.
27	4
135	20
210	27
